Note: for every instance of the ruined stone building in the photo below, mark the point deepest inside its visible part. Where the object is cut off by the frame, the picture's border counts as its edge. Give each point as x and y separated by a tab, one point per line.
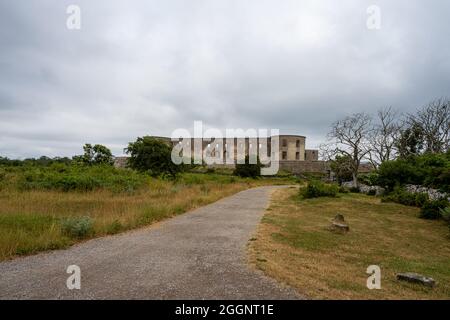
293	155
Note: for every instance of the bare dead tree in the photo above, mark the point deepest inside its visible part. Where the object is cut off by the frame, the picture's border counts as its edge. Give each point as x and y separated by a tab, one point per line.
384	136
434	122
350	137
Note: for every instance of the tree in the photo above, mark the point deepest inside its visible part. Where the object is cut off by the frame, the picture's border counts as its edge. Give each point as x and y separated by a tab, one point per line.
151	155
349	137
434	123
93	155
384	136
102	155
342	168
410	141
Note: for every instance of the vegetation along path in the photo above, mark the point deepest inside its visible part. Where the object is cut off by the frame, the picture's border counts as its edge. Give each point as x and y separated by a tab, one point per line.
198	255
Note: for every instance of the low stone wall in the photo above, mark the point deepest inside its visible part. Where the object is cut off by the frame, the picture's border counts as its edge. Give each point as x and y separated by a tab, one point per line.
120	162
298	167
433	194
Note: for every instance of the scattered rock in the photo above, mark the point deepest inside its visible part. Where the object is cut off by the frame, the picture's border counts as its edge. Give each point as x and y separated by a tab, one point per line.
374	190
416	278
377	190
348	184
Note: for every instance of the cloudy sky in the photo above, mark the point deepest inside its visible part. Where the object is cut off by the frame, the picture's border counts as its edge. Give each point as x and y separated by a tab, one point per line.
149	67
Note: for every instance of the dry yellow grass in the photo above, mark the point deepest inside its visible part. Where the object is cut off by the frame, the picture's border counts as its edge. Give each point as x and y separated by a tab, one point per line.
293	246
30	221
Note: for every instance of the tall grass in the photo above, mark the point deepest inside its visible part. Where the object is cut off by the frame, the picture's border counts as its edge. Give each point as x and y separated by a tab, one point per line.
70	178
50	208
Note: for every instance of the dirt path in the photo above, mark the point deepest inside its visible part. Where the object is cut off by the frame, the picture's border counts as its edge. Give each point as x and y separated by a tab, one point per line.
198	255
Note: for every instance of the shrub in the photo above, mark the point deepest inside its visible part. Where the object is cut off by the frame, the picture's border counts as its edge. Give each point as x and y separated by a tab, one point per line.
343	190
400	195
248	169
210	170
445	213
442	181
354	190
114	227
370	179
421	199
77	227
316	189
398	172
372	192
430	170
76	178
432	209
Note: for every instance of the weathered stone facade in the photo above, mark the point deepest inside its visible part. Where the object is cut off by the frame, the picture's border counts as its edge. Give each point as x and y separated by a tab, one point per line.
293	155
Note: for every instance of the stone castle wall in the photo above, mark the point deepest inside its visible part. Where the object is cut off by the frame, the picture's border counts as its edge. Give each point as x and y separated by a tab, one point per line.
293	155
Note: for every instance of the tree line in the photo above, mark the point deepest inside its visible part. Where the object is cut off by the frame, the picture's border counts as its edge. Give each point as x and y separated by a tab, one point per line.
93	155
387	136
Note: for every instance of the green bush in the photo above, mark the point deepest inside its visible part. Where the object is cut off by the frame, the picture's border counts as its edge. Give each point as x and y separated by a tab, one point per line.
210	170
77	227
430	170
316	189
398	172
74	178
421	199
400	195
432	209
354	190
114	227
248	170
445	214
370	179
343	190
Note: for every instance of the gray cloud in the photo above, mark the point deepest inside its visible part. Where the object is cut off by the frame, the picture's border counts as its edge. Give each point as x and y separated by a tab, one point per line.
149	67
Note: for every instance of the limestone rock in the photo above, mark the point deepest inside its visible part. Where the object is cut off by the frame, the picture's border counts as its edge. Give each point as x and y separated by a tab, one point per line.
416	278
377	190
433	194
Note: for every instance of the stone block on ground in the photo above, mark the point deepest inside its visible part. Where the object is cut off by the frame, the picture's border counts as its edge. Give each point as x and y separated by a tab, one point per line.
416	278
339	225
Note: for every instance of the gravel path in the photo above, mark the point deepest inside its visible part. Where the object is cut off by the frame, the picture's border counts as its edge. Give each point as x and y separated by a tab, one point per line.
197	255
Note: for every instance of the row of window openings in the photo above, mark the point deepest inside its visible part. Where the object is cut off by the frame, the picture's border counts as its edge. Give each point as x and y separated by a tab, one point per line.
284	155
284	144
297	155
226	146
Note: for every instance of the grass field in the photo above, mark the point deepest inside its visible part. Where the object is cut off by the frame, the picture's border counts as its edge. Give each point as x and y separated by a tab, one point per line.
293	245
40	211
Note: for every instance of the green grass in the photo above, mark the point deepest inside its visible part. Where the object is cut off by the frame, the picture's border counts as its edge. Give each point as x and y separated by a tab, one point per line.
71	178
300	251
44	208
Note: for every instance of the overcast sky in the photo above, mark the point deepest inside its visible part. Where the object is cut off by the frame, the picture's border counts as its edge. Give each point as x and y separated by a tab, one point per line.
149	67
